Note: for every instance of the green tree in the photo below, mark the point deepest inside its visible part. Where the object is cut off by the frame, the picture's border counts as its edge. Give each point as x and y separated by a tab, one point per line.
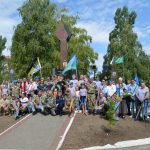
124	42
35	37
2	47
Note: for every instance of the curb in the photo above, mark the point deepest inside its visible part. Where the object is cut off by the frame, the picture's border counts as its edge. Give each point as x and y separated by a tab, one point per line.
122	144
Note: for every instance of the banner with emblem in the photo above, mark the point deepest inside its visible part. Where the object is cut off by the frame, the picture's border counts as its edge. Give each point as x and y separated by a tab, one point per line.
34	67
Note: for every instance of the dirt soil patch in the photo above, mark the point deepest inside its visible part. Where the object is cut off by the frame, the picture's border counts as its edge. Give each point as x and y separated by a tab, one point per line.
6	122
88	131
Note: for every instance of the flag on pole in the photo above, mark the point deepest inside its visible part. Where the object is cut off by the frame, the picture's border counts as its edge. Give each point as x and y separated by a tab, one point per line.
136	79
120	60
72	65
112	61
35	67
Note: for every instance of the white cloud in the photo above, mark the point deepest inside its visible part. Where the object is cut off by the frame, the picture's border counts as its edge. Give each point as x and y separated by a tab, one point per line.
8	20
98	31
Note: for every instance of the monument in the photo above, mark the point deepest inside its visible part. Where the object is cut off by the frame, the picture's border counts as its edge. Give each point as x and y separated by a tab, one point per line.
64	35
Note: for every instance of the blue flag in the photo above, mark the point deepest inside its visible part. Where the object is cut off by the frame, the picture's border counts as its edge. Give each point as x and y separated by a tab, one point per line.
136	79
72	65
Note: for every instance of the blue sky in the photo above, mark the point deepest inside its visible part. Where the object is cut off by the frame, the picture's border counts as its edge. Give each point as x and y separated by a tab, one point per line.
96	16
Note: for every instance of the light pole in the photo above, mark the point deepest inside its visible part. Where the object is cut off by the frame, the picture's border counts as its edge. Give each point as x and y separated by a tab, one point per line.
94	68
11	74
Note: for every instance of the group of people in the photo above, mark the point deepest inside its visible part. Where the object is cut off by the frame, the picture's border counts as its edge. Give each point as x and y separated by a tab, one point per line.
58	96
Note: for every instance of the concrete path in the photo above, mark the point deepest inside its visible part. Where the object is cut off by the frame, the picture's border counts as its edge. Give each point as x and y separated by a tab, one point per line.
144	147
36	133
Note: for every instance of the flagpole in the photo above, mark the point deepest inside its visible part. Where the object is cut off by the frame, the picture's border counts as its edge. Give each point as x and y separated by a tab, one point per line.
40	68
123	70
76	73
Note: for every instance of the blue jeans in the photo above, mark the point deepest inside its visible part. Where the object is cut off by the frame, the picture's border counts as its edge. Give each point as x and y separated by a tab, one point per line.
30	107
17	113
133	106
145	108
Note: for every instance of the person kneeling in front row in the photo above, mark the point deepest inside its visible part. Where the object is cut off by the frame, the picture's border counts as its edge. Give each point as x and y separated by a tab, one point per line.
101	104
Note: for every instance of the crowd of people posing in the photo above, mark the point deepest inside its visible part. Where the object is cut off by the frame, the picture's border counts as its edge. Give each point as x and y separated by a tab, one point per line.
57	96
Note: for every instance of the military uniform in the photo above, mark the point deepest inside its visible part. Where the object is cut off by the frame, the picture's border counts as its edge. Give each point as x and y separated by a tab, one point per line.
15	90
39	102
50	105
91	96
4	105
68	100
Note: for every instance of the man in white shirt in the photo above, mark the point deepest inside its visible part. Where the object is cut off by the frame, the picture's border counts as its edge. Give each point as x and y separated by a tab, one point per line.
26	105
111	89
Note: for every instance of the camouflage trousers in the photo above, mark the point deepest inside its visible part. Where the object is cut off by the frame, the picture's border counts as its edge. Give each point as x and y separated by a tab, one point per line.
91	101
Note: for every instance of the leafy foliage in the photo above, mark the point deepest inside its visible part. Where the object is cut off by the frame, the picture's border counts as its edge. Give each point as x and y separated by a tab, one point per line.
124	42
110	114
2	47
35	37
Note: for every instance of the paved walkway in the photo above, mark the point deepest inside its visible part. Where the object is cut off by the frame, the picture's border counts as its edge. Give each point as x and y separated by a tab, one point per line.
36	133
144	147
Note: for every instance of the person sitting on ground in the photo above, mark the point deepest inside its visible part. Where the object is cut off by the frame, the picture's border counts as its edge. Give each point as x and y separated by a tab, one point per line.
16	106
39	102
4	105
55	92
83	98
24	103
50	104
27	105
101	104
69	103
60	103
11	107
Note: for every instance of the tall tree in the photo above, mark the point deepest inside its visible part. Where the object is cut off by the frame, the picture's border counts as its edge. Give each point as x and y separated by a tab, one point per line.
35	37
2	47
124	42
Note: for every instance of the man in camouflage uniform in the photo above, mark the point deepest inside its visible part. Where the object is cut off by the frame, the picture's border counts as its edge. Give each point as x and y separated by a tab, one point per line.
69	103
39	102
91	87
50	104
4	105
15	90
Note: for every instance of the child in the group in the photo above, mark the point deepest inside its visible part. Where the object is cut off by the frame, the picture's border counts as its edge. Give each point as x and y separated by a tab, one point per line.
83	98
77	99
